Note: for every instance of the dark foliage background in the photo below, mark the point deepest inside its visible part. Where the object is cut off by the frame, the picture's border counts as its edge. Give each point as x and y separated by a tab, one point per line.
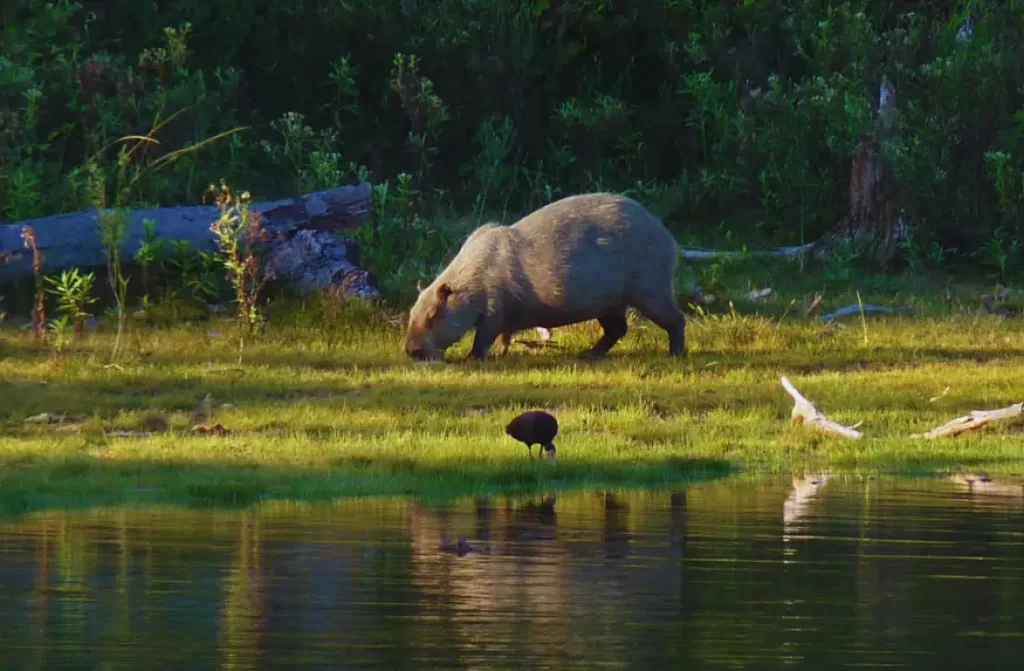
735	120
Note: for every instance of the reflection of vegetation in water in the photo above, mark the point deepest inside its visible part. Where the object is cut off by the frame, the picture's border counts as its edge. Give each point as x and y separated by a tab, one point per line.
122	612
75	566
243	612
600	578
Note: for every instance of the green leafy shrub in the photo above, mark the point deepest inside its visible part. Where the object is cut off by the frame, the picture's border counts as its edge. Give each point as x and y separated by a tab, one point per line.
737	121
74	293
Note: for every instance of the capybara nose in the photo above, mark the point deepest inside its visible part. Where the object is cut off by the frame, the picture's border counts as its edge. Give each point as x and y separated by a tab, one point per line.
414	351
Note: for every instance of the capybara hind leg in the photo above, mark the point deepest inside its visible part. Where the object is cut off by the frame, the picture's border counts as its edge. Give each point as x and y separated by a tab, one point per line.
664	311
614	326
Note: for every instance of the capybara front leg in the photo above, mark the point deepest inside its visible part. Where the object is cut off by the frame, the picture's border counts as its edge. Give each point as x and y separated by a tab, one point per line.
486	333
614	326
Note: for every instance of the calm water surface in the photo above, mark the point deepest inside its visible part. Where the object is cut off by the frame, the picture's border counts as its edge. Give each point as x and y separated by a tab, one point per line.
894	573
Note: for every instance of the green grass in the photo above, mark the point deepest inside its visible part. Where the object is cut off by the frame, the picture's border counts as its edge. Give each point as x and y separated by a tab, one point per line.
325	405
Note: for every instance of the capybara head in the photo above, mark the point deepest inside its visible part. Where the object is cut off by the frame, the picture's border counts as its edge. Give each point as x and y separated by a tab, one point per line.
436	322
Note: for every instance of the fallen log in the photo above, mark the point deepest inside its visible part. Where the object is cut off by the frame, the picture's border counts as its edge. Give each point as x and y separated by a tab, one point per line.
972	422
804	410
857	309
304	244
697	254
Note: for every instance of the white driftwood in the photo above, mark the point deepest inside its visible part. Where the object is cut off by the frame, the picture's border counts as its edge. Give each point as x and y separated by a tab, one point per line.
805	410
973	421
815	304
760	294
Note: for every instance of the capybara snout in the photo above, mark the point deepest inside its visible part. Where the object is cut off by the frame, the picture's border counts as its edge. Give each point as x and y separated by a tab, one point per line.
429	324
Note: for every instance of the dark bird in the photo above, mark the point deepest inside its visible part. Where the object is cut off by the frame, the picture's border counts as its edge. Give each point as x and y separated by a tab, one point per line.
535	427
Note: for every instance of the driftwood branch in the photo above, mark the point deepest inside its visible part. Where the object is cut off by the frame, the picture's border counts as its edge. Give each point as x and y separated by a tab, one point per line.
304	245
804	410
815	304
857	309
696	254
973	421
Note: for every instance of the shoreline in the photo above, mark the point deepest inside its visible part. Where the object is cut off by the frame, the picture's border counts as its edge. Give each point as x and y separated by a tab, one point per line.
322	409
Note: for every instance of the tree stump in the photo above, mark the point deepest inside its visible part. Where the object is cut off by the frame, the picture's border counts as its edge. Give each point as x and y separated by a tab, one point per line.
872	223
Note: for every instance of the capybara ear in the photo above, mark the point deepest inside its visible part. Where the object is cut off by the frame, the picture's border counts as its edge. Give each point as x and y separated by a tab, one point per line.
420	286
443	292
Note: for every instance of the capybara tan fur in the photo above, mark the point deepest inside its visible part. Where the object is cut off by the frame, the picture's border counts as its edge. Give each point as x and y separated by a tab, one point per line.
583	257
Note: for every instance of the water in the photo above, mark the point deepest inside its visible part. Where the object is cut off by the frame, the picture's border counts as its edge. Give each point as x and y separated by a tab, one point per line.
847	573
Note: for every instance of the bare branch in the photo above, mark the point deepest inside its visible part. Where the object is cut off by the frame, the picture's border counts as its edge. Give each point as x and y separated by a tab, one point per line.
693	254
815	304
804	410
857	309
973	421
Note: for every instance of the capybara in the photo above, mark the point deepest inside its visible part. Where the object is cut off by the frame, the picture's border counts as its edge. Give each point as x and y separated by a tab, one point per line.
535	427
579	258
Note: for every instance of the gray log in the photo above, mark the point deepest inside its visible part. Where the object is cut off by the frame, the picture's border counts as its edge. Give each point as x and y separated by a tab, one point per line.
305	244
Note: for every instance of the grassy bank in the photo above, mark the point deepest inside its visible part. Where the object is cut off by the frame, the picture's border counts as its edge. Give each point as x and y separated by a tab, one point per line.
324	404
